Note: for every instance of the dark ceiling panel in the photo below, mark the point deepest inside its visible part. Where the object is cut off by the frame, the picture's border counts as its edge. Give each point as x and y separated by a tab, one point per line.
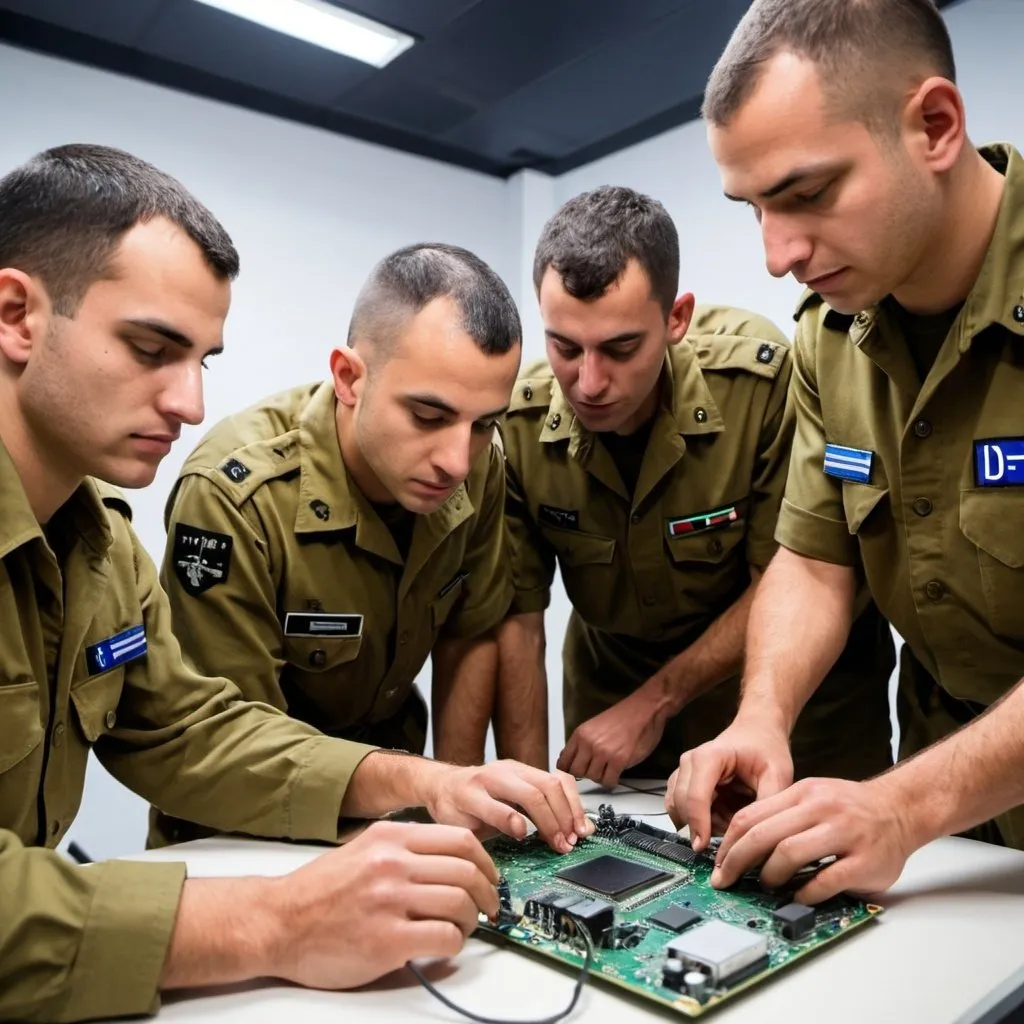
119	21
580	103
495	85
417	17
203	37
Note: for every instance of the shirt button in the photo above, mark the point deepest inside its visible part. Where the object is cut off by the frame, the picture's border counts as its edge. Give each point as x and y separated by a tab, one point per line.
554	422
318	658
111	719
403	638
635	518
528	393
58	734
923	507
388	694
715	547
935	590
922	428
700	414
861	319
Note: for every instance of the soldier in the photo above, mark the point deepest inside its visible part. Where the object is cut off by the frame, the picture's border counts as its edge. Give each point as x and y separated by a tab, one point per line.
359	521
647	459
113	292
840	123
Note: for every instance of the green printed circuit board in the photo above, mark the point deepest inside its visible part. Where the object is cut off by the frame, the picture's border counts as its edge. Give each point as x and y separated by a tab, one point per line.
639	902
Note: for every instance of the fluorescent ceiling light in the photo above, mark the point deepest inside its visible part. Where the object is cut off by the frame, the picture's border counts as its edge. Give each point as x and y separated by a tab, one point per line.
323	24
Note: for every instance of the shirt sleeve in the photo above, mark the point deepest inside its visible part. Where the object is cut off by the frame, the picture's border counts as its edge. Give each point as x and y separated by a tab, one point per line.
230	629
81	943
487	586
812	522
770	469
531	558
195	749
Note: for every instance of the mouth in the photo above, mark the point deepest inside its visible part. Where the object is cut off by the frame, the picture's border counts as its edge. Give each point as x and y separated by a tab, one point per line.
434	489
824	282
157	443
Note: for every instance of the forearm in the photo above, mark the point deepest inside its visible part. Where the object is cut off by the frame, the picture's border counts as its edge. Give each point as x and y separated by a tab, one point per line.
798	625
521	706
462	697
387	781
715	656
982	771
224	933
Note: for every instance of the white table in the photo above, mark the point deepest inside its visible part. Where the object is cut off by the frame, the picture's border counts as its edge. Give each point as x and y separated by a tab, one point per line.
951	937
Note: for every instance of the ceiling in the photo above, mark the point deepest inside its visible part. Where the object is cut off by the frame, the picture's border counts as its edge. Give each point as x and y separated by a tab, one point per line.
495	85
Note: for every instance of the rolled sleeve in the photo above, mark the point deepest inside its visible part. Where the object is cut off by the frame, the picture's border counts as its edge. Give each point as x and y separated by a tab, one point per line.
320	784
488	585
811	521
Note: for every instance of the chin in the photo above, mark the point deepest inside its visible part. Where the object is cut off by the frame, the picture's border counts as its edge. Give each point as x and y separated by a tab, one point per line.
131	475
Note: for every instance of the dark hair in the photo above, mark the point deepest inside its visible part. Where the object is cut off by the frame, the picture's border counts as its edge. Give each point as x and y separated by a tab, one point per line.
858	46
404	282
62	216
591	238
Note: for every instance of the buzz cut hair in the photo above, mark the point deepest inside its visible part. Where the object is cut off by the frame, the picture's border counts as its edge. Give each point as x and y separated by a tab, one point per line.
865	52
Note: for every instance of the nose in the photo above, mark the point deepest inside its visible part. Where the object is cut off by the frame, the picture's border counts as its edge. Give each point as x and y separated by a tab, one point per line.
182	398
593	378
785	247
452	457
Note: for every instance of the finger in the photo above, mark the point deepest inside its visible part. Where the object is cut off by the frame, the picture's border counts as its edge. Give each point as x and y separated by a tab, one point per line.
449	841
612	771
549	796
707	770
444	903
836	878
424	940
753	814
774	779
568	754
595	770
759	842
580	763
456	873
796	852
582	825
490	802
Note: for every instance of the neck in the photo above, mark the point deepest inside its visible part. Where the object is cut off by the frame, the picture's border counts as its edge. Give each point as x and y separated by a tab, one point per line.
955	254
355	463
47	481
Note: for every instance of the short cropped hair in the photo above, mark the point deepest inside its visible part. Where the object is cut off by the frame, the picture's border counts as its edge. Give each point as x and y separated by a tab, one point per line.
590	240
858	47
404	282
63	214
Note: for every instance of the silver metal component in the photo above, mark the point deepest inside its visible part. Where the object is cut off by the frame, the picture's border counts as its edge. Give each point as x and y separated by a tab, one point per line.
696	985
719	949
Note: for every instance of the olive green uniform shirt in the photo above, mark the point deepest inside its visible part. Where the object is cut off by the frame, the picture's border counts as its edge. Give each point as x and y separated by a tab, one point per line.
938	524
313	609
88	662
648	572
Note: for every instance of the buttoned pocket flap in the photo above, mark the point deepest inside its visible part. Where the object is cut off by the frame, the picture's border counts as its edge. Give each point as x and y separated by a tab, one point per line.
96	699
706	545
576	549
991	520
321	653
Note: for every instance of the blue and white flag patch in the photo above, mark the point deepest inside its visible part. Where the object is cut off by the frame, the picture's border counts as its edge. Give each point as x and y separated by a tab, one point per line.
849	463
116	650
999	462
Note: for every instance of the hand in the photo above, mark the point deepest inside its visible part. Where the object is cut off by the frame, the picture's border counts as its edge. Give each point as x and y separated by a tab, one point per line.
609	743
862	824
395	893
749	759
488	795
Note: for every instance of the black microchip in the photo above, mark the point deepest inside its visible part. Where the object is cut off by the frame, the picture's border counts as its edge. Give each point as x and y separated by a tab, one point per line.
613	876
675	918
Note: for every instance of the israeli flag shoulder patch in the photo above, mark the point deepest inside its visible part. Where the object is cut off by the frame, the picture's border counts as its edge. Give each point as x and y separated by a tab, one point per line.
116	650
845	463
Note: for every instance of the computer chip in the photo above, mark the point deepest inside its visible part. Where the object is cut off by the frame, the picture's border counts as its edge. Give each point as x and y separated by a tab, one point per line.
675	918
613	876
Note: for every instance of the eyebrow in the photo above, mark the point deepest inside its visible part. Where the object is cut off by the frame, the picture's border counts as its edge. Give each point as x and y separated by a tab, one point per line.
793	178
171	334
433	402
619	339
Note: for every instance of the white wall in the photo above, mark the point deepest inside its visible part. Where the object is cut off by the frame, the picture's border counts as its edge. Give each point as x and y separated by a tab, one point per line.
311	212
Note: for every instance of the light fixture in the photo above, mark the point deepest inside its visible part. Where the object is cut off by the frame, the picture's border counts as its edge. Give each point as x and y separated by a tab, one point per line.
323	24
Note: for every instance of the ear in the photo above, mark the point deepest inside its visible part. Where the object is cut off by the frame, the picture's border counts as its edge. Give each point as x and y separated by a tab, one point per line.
679	318
348	371
25	313
937	123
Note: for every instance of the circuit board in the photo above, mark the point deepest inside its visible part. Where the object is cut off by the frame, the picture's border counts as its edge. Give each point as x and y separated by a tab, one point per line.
639	902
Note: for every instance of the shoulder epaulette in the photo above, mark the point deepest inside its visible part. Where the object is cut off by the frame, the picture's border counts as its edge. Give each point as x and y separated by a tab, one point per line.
533	388
242	472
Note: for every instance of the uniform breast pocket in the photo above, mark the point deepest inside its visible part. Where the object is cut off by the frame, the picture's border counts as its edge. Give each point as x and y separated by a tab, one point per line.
20	729
708	568
95	699
993	521
321	654
441	607
587	571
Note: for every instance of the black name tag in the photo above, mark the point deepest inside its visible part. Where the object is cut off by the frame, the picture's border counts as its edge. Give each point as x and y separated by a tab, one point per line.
322	624
563	518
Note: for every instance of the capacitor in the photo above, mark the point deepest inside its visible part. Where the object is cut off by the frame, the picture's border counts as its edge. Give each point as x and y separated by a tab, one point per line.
672	975
696	985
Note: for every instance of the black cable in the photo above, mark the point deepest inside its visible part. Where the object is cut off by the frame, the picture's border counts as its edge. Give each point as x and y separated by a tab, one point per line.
584	971
642	789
